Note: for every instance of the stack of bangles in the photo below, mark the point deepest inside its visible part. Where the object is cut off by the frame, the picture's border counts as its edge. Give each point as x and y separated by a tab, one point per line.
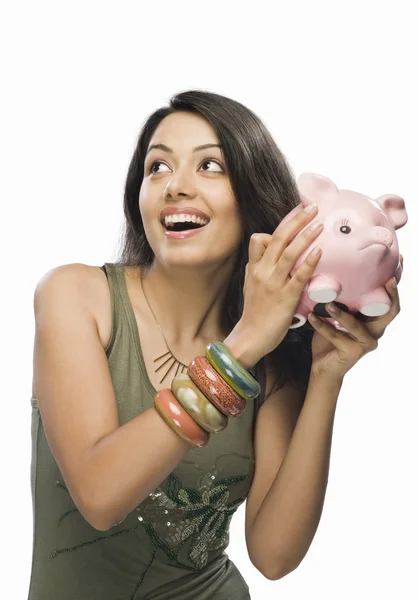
215	387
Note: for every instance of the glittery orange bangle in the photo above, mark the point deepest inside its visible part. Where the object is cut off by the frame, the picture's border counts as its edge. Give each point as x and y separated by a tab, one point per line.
178	419
213	386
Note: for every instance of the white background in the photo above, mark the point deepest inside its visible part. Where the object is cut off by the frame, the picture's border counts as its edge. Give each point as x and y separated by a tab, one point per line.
336	84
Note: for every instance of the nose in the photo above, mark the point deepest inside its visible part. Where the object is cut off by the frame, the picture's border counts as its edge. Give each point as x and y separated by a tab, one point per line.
381	235
180	184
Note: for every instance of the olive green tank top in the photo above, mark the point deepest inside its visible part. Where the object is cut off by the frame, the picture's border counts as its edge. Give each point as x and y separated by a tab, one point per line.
172	546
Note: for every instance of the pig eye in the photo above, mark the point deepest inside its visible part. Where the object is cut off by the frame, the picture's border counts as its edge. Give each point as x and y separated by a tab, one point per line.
345	227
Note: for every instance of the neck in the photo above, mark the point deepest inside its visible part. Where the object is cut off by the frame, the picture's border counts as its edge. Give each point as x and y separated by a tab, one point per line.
188	302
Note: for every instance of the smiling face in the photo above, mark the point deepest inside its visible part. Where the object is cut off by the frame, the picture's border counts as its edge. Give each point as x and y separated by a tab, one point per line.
188	182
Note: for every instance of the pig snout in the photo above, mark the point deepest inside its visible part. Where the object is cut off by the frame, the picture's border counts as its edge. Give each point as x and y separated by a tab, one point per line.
380	235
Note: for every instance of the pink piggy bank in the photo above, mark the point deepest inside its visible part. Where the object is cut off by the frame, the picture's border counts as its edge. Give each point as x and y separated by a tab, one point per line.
359	250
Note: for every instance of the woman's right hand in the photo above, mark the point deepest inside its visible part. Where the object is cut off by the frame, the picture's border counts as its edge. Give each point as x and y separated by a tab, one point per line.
270	294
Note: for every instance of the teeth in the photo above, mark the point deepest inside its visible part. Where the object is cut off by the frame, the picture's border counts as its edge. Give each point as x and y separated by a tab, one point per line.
171	219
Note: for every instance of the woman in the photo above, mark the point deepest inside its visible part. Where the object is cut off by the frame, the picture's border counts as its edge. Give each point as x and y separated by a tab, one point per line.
132	495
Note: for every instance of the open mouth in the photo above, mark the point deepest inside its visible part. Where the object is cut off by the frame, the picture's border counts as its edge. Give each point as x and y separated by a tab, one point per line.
175	224
182	226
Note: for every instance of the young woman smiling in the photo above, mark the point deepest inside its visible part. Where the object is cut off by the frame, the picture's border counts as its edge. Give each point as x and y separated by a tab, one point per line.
149	373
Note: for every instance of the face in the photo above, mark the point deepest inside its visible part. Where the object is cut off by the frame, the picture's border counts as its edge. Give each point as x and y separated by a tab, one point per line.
196	183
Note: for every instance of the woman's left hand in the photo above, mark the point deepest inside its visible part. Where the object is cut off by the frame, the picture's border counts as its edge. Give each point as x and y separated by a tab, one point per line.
335	352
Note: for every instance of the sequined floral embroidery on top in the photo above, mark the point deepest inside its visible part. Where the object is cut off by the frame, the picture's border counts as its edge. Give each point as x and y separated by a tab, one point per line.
183	514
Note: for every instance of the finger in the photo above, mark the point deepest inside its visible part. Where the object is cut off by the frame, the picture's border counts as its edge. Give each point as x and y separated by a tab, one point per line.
298	281
257	246
284	235
358	330
340	339
377	325
401	259
299	251
393	291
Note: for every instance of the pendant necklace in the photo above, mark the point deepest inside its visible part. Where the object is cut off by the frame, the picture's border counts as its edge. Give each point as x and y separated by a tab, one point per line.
168	356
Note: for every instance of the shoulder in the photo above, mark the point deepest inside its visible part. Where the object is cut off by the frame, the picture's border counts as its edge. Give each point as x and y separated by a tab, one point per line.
77	276
62	278
83	283
72	270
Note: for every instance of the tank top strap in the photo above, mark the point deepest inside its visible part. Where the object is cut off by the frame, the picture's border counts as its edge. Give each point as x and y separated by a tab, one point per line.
116	290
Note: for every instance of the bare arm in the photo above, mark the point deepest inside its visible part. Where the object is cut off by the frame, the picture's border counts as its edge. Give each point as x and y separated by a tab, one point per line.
280	533
108	469
131	462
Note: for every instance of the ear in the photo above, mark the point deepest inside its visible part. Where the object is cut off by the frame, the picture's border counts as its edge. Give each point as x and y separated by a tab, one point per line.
395	207
313	187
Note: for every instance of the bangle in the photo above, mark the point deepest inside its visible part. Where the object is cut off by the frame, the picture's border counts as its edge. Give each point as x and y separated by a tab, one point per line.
197	405
215	388
178	419
240	380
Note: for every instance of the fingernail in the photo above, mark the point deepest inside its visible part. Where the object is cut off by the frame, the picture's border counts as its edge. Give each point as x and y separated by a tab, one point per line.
394	283
310	207
316	225
331	307
312	317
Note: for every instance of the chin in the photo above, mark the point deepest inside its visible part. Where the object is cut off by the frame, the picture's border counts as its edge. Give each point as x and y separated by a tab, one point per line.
195	257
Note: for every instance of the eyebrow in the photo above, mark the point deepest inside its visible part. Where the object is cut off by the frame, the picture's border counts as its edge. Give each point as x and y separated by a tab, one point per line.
167	149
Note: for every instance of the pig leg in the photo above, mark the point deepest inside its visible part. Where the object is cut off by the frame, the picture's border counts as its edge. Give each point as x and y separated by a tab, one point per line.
322	288
319	289
375	303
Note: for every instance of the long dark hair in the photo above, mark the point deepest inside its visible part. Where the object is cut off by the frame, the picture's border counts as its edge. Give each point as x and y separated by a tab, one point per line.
264	188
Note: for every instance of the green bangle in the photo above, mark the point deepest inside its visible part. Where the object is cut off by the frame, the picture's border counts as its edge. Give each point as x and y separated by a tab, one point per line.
240	380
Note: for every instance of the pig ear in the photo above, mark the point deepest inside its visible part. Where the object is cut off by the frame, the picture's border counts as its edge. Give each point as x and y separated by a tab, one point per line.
313	187
395	207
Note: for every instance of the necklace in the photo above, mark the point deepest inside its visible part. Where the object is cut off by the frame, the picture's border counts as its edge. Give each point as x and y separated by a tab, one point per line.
168	356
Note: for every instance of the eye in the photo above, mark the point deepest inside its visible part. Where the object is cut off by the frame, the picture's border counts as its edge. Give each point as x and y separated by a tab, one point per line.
206	161
157	162
345	227
210	160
